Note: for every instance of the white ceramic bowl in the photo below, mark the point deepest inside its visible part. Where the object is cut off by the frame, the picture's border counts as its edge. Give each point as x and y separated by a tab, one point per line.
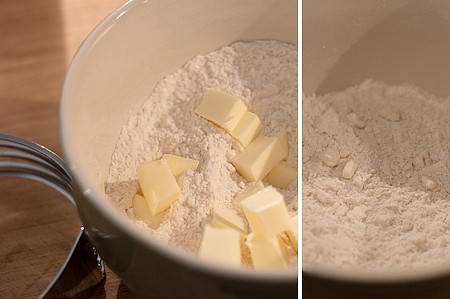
396	41
110	77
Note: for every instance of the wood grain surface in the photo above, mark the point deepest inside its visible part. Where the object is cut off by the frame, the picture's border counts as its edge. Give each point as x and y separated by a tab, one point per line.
37	225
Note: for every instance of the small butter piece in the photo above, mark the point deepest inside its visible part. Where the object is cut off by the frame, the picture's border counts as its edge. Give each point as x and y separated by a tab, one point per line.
282	175
428	182
158	185
390	113
349	169
222	109
356	120
226	218
266	212
141	210
247	128
221	245
292	232
260	156
250	189
179	164
266	253
330	157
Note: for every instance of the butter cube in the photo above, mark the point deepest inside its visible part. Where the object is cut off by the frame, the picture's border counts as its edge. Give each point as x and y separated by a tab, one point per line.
266	253
260	156
292	232
283	137
226	218
250	189
141	210
247	128
158	185
282	175
266	212
221	109
221	245
178	164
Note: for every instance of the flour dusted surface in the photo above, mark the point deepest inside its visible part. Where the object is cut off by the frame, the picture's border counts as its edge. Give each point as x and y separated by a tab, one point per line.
264	75
393	213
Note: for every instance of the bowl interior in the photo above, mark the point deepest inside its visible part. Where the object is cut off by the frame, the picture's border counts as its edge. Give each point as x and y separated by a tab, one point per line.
394	41
347	42
118	65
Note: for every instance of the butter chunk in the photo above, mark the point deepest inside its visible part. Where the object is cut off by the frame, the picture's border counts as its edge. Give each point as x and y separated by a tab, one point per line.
292	232
390	113
178	164
283	140
247	128
226	218
266	212
221	245
266	253
282	175
260	156
141	210
250	189
428	182
349	169
330	157
221	109
158	185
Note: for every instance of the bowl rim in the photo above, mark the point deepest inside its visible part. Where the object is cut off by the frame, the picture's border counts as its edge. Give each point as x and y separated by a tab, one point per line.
98	199
366	276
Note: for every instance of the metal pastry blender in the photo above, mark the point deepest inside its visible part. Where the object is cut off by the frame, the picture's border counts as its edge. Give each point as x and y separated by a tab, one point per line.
83	272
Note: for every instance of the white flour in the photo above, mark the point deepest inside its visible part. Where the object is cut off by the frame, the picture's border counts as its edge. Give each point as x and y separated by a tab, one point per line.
264	74
393	214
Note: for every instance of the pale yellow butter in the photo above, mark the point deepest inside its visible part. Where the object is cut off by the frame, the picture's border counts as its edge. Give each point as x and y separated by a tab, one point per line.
250	189
349	169
282	175
266	253
178	164
141	210
266	212
330	157
158	185
260	156
247	128
221	245
283	139
292	232
226	218
222	109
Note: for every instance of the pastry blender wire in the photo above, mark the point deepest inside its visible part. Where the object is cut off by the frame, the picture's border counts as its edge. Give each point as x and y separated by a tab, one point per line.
83	271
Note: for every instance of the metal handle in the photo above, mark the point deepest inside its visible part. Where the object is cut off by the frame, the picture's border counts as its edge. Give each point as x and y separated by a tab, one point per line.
83	271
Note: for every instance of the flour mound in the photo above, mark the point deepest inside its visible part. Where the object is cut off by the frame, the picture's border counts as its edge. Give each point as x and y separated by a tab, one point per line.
393	214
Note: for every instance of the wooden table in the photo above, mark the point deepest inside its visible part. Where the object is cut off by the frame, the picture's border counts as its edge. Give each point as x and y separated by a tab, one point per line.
37	225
